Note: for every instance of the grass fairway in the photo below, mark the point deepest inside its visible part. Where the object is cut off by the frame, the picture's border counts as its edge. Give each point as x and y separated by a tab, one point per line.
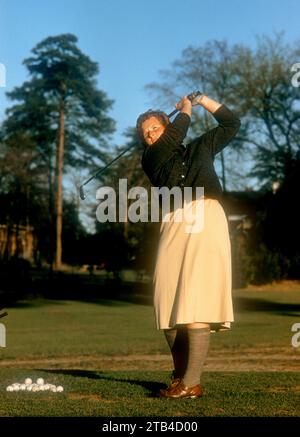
96	393
112	361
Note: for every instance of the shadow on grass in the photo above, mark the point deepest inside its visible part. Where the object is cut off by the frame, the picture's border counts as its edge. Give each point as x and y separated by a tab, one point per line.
118	301
245	304
152	387
241	304
33	303
59	287
81	288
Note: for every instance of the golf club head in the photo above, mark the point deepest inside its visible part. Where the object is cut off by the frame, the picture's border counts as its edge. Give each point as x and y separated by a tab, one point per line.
81	193
193	95
3	314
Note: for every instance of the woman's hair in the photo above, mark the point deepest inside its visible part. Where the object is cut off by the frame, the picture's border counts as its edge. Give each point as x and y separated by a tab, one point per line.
160	115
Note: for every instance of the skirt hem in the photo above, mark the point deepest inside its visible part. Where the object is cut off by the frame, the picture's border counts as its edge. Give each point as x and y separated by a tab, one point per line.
214	326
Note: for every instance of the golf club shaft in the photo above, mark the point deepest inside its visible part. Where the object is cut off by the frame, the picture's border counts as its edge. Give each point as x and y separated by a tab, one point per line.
81	192
104	168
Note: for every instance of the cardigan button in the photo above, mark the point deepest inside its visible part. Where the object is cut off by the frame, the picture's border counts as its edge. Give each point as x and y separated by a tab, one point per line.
182	175
183	163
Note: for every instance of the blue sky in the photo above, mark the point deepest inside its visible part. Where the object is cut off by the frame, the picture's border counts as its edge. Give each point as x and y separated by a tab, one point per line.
132	40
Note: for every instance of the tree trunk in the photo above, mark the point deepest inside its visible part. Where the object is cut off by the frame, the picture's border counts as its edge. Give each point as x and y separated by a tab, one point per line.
59	188
51	214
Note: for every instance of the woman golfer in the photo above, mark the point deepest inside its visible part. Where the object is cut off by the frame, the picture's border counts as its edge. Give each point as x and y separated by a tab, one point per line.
192	278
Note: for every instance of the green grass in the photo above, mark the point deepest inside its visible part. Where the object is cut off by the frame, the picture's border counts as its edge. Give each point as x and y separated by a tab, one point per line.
95	393
51	328
62	331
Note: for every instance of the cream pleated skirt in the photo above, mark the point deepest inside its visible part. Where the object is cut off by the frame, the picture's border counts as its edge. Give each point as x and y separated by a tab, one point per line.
192	277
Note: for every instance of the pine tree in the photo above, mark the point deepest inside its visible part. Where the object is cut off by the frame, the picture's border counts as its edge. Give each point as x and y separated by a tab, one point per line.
64	113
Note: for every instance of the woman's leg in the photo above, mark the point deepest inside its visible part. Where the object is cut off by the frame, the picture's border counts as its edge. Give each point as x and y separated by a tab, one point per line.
189	359
178	343
198	336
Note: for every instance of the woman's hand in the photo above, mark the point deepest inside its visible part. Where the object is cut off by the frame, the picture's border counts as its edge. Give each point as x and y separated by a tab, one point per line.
185	106
198	100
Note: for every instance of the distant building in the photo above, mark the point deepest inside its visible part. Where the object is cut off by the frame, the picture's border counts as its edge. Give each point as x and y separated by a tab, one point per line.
17	241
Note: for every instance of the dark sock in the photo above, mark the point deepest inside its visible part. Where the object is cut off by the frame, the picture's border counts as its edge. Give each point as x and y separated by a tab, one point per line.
198	343
178	343
170	335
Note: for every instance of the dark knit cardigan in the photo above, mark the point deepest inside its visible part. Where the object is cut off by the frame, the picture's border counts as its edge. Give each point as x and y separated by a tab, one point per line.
168	163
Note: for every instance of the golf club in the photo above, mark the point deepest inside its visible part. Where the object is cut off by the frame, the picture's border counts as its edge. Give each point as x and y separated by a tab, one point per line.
101	170
3	314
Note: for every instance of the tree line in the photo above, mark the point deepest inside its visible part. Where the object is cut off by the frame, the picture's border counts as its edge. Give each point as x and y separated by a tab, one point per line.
59	125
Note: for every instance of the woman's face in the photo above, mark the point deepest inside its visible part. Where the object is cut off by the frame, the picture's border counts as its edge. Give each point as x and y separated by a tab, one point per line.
152	129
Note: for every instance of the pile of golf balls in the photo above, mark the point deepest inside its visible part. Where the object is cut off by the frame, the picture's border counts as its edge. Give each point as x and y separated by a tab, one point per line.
40	385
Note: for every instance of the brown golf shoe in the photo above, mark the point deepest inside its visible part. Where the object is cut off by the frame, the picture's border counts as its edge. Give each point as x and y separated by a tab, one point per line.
174	383
180	391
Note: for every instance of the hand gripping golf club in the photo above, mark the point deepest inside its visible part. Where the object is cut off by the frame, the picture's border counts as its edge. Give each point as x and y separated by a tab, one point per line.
101	170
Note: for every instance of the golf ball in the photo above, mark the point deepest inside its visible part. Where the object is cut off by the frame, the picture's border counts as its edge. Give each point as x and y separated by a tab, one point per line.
34	387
